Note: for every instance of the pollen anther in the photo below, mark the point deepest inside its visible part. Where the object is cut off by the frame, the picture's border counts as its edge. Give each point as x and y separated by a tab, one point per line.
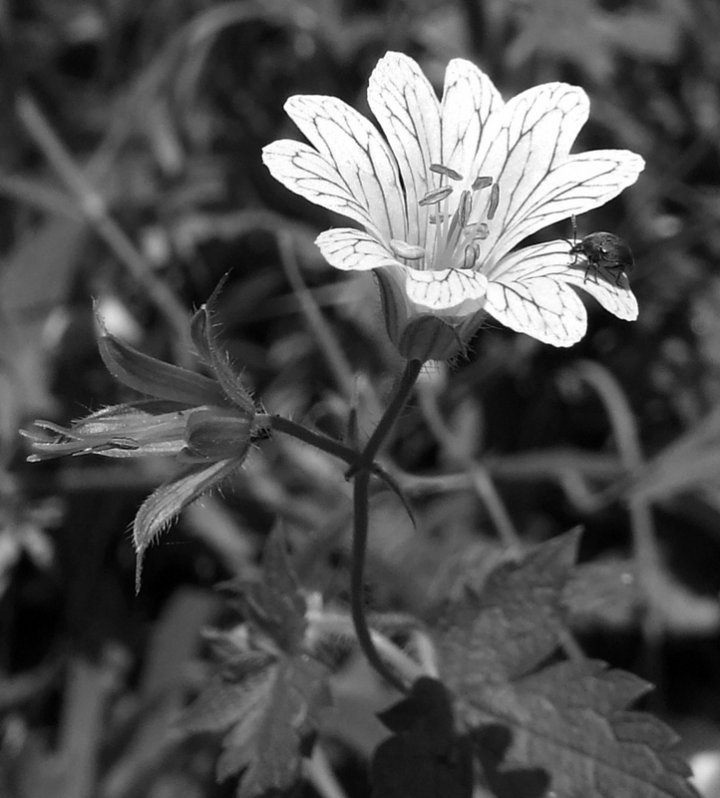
471	255
481	181
482	231
494	201
436	195
446	171
404	250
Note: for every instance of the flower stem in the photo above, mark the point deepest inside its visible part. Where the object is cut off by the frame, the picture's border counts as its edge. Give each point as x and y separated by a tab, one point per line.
357	608
360	471
405	386
308	436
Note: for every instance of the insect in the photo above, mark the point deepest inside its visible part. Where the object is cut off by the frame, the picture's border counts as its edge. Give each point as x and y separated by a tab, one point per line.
602	251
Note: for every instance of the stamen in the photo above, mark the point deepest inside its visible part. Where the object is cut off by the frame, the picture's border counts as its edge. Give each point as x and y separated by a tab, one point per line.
481	181
482	231
494	201
472	253
465	208
446	171
436	195
404	250
436	218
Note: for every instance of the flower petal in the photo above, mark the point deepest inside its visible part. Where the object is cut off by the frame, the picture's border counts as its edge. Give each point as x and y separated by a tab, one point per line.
610	288
584	181
472	113
535	294
407	108
359	155
303	170
353	250
539	127
530	298
460	290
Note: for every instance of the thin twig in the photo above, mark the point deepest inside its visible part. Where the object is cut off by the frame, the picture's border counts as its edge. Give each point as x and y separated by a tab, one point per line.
627	440
326	340
478	474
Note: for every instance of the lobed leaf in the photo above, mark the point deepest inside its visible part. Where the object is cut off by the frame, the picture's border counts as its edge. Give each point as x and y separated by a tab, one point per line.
272	715
562	728
569	723
275	604
512	625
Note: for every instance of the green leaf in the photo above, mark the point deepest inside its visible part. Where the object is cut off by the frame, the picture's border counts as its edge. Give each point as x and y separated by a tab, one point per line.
272	716
222	701
275	604
512	625
569	722
154	377
563	728
164	504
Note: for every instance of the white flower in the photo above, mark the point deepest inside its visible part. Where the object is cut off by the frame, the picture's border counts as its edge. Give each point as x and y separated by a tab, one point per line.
450	190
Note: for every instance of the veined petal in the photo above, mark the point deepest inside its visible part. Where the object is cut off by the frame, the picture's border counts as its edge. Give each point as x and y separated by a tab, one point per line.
446	289
472	114
529	298
359	154
539	126
610	289
535	294
353	250
407	108
582	182
303	170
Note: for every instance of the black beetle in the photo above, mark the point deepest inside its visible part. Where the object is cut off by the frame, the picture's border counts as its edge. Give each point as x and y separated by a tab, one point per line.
603	251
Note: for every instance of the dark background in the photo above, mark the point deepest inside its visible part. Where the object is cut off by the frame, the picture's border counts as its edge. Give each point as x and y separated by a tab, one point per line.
162	108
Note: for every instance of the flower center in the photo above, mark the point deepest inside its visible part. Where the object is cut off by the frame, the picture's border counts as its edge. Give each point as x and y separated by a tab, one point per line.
457	242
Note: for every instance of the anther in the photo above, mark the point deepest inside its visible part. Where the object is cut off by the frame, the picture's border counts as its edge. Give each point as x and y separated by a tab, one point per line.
482	231
472	253
436	218
404	250
494	201
465	208
481	181
436	195
446	171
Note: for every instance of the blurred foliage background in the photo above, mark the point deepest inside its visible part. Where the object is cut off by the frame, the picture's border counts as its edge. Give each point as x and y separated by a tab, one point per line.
130	177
